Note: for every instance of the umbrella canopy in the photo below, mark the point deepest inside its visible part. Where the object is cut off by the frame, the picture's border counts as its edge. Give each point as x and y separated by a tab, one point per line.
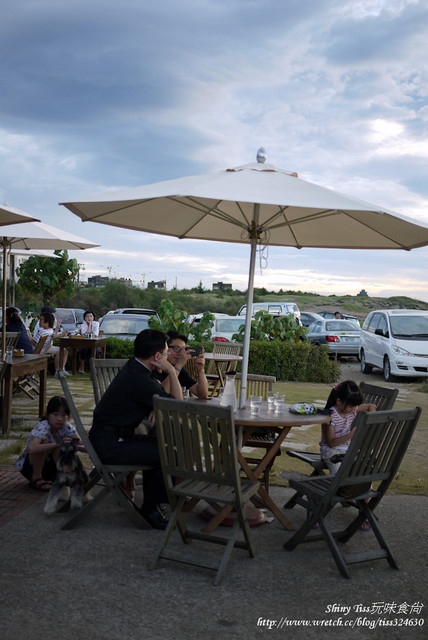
10	215
257	204
31	236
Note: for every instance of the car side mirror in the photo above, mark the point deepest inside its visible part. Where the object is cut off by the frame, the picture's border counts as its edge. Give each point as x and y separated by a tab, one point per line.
381	332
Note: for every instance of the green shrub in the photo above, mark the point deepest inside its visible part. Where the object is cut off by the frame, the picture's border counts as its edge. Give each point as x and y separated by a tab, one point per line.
292	362
117	348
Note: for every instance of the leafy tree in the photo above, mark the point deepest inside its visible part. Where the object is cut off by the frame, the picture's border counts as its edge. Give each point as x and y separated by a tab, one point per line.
171	318
266	327
48	278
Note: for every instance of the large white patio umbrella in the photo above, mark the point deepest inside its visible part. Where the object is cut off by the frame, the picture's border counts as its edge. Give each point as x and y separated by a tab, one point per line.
10	215
255	204
30	236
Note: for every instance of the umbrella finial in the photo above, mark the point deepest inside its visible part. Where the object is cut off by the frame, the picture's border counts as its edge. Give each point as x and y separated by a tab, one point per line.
261	155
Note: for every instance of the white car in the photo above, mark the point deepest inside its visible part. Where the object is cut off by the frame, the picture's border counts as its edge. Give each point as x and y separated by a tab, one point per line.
396	341
225	326
274	309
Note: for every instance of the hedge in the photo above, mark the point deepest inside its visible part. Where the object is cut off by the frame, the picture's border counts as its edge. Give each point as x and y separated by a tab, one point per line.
301	362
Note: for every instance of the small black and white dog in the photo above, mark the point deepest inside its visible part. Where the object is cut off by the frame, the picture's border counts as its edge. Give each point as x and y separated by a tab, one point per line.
70	474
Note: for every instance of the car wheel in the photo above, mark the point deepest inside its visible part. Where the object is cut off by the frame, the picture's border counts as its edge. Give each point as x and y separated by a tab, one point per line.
387	370
365	368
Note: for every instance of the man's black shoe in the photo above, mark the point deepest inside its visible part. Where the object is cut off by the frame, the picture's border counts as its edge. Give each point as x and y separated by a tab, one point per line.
155	517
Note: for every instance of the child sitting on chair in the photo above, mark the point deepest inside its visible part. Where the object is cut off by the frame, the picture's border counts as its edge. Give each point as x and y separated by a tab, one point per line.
37	462
344	402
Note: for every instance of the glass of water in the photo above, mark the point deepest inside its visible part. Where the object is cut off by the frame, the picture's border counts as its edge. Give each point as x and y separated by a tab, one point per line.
255	404
271	400
9	353
185	392
279	404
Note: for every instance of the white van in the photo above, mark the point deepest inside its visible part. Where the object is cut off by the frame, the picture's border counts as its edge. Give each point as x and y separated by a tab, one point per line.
395	340
274	308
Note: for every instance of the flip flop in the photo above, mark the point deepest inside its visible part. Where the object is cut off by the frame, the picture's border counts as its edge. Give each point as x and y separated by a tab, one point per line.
365	526
41	485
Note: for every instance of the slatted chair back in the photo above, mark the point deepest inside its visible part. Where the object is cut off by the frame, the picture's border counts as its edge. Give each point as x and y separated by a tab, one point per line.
197	444
230	348
12	338
38	349
377	448
191	368
110	476
256	385
383	397
103	371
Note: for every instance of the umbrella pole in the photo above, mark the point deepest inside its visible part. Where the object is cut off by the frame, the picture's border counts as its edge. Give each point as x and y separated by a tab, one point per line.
250	292
4	293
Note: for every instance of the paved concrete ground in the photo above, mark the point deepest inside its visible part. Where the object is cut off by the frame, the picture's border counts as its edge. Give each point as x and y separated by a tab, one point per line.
93	582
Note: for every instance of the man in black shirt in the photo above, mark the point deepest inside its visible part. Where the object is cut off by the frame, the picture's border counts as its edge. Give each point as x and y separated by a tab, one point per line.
126	402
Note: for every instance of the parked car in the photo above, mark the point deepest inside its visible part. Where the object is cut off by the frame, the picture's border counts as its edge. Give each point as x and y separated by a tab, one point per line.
308	318
341	336
125	326
274	308
131	310
69	319
225	326
396	341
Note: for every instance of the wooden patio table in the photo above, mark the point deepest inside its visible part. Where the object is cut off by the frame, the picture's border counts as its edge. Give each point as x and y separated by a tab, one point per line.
80	342
218	359
15	368
282	423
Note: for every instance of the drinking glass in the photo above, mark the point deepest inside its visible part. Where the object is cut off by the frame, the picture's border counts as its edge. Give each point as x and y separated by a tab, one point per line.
220	392
9	353
255	403
185	392
279	404
271	399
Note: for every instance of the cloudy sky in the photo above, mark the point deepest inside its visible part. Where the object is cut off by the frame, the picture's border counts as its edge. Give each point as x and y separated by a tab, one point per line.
107	95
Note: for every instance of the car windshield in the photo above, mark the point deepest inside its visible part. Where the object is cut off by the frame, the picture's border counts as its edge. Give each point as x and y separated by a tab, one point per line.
338	325
65	315
115	324
228	324
409	326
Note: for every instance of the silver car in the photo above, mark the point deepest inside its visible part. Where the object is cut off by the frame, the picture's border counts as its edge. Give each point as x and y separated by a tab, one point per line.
124	326
341	336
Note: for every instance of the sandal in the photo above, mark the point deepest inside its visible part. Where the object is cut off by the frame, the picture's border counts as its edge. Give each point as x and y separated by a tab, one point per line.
41	485
365	526
308	515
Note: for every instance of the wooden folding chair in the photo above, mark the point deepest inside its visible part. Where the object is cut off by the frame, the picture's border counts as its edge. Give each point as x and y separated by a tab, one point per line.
230	348
261	438
110	476
30	383
103	371
382	397
374	456
197	444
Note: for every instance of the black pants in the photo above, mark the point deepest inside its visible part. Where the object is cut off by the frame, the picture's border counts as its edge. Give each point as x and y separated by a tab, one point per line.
136	450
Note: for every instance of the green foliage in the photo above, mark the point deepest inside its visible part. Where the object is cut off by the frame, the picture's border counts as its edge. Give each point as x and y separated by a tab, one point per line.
171	318
117	348
48	278
298	362
266	327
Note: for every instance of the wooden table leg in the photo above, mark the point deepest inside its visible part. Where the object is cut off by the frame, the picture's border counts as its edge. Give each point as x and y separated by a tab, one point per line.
7	403
75	353
42	391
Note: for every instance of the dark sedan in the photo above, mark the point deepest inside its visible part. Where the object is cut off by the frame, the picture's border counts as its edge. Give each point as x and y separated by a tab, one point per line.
124	326
341	336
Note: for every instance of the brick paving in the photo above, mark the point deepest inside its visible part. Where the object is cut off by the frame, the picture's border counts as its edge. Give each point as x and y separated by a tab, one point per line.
16	494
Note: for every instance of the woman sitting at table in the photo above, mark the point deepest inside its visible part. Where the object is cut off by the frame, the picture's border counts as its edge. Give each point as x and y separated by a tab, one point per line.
89	327
14	324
